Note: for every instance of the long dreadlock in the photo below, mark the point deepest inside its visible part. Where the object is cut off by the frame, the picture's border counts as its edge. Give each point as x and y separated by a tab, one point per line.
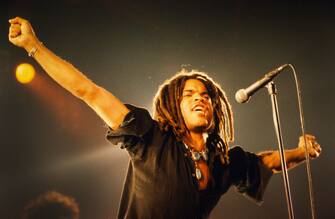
168	114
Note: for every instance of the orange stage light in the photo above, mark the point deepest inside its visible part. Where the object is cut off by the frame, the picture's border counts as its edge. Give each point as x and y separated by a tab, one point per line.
25	73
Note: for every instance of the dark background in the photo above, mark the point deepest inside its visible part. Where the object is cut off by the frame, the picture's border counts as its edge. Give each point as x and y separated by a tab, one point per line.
50	140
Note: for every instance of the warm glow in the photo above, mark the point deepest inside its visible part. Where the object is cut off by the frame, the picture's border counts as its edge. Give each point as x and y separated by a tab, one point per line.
25	73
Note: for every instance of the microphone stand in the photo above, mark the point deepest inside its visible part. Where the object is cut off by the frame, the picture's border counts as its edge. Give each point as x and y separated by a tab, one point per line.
273	92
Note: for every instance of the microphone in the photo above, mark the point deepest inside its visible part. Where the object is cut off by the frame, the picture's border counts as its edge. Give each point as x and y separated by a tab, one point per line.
243	95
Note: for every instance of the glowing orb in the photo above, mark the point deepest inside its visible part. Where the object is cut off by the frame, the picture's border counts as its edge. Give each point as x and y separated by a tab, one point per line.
25	73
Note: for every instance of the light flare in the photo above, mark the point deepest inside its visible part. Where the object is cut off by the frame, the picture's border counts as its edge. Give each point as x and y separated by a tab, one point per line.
25	73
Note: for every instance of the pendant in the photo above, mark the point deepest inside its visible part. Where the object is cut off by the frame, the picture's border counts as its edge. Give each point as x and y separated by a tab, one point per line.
198	173
196	155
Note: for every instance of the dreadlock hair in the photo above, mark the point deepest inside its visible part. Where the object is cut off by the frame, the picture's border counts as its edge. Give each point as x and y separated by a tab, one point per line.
167	113
51	205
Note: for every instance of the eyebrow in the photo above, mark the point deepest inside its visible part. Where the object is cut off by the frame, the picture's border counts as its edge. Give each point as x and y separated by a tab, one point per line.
191	90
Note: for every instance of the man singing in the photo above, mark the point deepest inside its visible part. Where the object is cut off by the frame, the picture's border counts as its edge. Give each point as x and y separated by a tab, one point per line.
181	162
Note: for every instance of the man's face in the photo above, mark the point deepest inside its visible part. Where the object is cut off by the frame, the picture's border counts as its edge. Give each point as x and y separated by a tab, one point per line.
196	106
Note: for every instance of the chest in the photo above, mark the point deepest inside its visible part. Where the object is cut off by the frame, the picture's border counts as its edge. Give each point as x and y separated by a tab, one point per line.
199	161
202	169
167	178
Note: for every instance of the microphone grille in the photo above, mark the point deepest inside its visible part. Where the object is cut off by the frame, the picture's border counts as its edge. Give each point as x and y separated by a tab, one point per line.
241	96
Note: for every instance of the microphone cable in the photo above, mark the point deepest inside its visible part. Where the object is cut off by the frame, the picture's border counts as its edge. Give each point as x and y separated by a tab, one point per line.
302	124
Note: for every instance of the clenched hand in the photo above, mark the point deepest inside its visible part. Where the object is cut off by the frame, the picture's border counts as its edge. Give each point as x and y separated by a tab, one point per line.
314	149
21	33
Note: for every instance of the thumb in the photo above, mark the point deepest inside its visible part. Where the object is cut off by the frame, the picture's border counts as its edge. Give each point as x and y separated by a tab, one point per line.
16	20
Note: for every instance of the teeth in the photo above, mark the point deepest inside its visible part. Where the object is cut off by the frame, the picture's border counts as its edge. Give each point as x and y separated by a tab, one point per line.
199	108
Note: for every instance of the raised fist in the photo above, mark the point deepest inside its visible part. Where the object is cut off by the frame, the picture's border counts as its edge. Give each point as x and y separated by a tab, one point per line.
21	33
314	149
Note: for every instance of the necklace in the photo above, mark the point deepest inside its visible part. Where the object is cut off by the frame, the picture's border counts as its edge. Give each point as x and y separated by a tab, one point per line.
196	156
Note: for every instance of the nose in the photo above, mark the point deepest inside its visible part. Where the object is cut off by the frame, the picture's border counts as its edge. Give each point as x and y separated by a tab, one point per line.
198	97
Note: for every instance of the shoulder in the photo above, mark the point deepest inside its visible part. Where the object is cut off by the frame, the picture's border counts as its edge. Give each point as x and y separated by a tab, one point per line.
137	126
241	159
236	151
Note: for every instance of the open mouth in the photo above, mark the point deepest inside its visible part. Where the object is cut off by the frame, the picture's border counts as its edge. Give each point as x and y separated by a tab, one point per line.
198	108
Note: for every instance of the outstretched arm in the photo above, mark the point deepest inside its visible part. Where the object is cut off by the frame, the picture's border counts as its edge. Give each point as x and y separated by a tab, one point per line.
294	157
105	104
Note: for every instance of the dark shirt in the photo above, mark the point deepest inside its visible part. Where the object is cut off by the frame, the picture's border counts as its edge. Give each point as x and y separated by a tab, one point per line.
160	181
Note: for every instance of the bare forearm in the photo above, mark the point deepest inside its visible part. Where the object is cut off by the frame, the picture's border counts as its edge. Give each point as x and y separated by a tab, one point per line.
61	71
293	157
104	103
271	159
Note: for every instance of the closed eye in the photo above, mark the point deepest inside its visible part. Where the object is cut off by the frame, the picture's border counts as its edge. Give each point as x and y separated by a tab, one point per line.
206	96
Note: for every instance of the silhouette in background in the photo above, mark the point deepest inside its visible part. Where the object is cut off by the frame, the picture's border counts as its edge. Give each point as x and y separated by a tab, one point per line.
51	205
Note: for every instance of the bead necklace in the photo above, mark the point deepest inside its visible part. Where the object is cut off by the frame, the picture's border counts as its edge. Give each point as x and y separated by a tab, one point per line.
196	156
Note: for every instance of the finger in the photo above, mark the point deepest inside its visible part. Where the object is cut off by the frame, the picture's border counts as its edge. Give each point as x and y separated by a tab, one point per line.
318	148
15	26
313	154
308	137
16	33
16	20
312	137
314	143
14	29
13	35
316	152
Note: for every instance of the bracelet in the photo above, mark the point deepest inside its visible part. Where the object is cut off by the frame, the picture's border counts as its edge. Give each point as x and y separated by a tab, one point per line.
32	52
